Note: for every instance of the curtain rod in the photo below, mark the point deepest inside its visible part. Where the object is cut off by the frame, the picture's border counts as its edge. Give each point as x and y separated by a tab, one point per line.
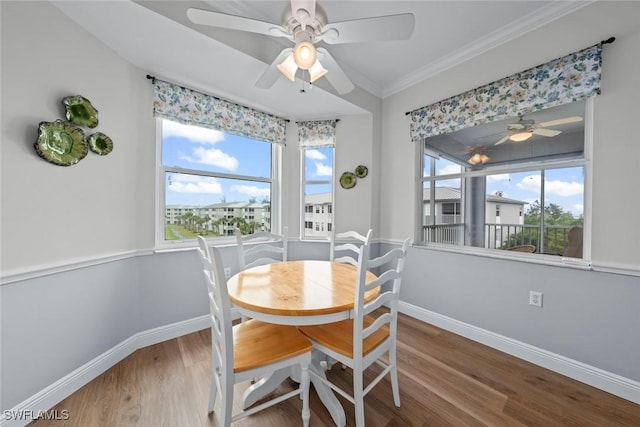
337	120
607	41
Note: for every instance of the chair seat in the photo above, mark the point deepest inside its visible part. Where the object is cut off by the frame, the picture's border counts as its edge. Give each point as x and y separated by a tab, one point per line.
338	336
257	344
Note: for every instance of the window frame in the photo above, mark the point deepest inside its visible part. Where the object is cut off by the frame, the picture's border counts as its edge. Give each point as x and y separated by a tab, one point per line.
304	182
161	171
586	163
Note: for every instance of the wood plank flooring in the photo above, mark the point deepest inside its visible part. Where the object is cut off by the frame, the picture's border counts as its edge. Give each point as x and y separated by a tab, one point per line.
445	380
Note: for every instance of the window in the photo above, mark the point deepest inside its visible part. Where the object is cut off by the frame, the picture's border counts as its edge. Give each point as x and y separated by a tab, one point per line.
317	166
210	179
481	189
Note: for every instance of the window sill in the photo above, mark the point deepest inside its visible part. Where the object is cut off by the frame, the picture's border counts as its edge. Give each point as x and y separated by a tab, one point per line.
533	258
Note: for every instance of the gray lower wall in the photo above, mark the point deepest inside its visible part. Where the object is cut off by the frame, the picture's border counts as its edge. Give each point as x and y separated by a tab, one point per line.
588	316
55	324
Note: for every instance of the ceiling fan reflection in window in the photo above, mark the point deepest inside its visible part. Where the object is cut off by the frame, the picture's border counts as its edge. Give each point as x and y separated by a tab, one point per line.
525	129
305	28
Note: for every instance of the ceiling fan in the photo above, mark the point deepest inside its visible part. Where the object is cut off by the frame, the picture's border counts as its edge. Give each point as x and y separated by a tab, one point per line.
525	129
305	28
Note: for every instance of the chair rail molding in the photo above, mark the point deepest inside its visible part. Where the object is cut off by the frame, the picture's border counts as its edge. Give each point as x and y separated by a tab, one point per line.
49	269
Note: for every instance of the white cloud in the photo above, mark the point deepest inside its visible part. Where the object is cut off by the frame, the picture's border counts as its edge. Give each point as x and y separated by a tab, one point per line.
252	190
323	170
449	169
314	155
530	183
503	177
194	184
577	209
557	188
192	133
564	189
212	157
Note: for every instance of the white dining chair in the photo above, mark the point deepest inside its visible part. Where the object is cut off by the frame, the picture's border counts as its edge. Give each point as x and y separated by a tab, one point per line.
261	248
345	246
249	349
370	334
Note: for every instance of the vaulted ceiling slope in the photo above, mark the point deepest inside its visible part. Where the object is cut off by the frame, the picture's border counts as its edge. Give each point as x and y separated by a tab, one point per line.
157	37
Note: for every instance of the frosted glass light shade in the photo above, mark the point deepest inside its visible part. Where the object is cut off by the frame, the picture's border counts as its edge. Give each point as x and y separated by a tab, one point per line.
316	71
521	136
288	67
304	53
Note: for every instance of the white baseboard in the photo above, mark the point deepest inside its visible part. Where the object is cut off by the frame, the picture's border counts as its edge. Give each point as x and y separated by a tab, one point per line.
612	383
21	414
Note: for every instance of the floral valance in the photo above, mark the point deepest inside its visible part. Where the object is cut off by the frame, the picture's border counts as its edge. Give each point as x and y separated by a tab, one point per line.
568	79
320	133
190	107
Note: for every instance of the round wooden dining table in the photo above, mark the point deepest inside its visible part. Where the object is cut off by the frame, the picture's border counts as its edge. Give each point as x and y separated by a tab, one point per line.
297	293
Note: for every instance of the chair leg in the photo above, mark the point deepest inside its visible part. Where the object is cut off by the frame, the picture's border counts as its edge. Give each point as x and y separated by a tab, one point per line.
215	384
226	400
304	394
358	395
212	396
395	387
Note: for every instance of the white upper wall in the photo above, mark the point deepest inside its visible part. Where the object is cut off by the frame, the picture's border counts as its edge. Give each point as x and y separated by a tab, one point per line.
616	153
54	215
104	206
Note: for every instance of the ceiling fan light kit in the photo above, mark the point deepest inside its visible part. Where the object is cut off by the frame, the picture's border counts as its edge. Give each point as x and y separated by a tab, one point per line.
478	158
305	28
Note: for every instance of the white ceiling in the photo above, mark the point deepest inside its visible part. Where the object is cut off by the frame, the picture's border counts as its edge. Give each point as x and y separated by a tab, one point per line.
157	37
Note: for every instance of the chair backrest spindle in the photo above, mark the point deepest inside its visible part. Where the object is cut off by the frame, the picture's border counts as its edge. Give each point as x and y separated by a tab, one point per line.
345	247
264	248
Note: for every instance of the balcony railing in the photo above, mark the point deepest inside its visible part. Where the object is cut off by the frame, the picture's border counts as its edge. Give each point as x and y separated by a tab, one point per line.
502	236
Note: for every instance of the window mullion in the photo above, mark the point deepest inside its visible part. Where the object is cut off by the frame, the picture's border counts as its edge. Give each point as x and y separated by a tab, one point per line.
215	174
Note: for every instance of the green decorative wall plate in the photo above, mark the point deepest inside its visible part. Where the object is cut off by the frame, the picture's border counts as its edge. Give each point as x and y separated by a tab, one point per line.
362	171
80	111
348	180
100	143
61	143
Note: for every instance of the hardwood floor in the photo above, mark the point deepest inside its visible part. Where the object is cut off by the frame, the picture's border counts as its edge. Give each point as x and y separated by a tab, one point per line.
445	380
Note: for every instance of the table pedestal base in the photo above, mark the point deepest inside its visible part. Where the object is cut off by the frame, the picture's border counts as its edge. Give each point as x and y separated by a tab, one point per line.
269	383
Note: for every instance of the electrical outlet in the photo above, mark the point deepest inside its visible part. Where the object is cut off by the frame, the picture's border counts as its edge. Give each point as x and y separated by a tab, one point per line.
227	272
535	298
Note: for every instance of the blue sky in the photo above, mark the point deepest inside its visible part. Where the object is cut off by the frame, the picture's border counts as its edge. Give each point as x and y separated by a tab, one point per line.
205	149
564	187
197	148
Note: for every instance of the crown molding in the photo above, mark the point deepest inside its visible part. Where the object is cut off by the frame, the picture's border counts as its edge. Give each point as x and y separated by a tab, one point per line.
515	29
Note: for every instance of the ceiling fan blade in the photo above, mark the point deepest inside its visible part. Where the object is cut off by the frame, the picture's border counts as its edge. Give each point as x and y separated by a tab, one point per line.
271	74
335	75
546	132
389	27
222	20
503	140
304	11
558	122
